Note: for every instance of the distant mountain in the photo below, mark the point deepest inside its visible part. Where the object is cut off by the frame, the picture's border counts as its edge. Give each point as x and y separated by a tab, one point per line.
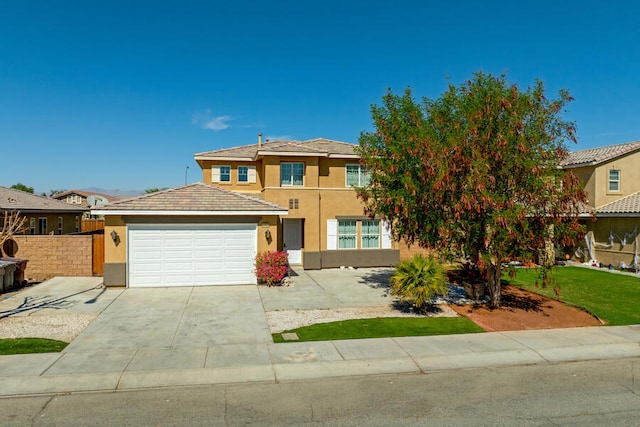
114	193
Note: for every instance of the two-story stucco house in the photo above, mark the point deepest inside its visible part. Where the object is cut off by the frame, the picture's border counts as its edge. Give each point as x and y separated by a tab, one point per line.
315	181
611	178
296	196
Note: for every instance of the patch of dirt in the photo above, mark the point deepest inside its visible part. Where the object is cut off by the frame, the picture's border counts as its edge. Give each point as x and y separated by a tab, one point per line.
523	310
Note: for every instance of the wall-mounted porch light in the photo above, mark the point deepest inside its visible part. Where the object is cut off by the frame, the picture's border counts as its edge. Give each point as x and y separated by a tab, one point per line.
114	236
267	235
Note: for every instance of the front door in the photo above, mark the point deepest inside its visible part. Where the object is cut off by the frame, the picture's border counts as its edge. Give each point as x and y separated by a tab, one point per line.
292	240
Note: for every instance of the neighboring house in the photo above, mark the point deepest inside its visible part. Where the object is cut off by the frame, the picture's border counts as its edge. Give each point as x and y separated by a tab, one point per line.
44	215
293	195
611	178
79	197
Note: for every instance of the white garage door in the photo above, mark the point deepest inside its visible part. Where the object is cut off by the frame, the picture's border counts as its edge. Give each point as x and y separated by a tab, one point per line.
191	255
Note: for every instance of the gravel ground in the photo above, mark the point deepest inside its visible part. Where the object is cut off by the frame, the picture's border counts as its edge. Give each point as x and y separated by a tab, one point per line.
62	327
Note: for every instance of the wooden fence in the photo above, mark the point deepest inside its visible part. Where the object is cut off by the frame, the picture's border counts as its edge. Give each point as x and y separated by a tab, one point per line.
92	225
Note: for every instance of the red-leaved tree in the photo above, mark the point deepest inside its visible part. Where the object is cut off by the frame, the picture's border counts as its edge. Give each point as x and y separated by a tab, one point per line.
474	173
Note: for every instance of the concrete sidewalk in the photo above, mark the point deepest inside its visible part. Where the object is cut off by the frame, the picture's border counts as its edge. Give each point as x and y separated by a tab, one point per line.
187	336
267	362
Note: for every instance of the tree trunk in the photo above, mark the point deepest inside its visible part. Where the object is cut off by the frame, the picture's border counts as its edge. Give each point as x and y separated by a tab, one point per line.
493	285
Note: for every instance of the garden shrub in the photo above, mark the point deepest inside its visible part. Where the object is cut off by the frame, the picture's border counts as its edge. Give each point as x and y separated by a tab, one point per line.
271	267
418	280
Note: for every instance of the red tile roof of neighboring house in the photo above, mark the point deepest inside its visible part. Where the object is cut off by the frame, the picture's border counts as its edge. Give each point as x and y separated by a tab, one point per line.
595	156
198	197
626	206
318	146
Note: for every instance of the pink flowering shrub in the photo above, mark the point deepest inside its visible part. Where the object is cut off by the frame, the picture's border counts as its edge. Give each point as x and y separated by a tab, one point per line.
271	267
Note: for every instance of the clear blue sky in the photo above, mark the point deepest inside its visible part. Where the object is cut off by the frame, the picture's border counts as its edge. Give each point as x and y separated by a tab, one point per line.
121	94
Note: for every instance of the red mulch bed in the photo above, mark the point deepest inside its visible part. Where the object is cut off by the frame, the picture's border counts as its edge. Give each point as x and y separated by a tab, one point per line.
523	310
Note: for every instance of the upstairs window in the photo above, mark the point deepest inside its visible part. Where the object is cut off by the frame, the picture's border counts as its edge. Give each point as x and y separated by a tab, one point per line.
614	180
291	174
225	173
243	174
221	173
357	176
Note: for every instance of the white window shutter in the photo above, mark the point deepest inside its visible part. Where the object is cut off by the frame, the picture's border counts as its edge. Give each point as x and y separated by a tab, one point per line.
332	234
386	235
215	173
251	173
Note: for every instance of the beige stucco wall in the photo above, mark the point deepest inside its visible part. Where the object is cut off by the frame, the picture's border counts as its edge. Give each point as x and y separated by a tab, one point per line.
587	177
242	187
629	179
603	227
116	252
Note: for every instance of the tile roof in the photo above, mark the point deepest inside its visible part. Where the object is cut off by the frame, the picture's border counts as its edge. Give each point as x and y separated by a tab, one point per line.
322	146
193	198
595	156
629	205
85	194
12	200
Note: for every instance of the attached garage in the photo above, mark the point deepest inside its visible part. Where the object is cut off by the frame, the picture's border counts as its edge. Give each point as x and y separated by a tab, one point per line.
196	235
191	255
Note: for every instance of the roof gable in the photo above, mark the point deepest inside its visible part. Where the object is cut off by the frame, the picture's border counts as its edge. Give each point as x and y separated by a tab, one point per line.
596	156
82	193
17	200
192	199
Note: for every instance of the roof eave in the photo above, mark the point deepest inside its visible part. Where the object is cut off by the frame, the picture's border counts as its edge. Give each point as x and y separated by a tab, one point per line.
185	213
224	158
291	153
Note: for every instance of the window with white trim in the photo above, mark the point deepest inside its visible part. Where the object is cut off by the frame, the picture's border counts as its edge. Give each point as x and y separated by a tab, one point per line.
614	180
357	176
370	234
243	174
347	234
291	174
32	226
74	199
220	173
225	173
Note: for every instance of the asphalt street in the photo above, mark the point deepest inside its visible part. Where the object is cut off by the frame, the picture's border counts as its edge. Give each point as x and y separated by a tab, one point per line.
587	393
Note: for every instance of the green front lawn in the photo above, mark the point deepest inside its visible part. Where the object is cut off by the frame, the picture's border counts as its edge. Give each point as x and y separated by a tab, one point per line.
383	327
30	345
614	298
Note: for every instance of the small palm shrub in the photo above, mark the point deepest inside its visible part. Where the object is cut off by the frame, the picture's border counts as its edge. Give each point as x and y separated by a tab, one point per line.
271	267
418	280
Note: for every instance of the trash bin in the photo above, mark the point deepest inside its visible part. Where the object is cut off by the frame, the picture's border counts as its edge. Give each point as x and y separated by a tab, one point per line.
9	269
20	265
